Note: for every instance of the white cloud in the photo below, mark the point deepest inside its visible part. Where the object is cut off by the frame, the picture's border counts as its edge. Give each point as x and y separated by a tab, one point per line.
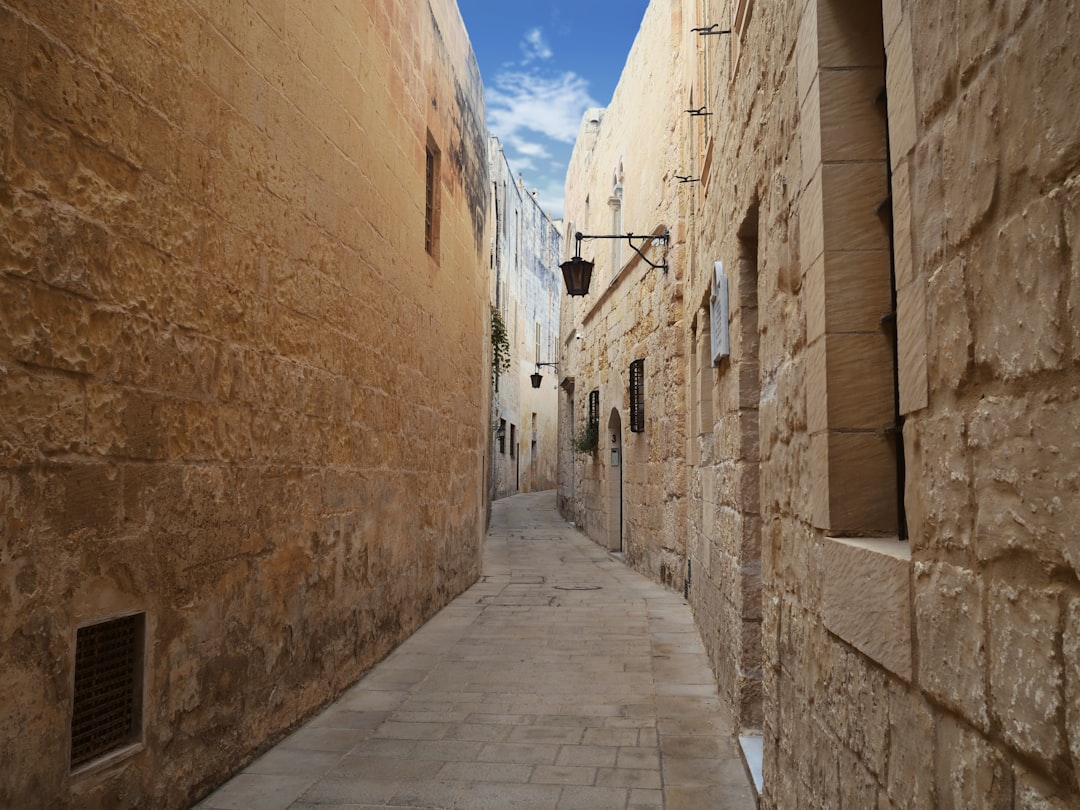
534	47
528	148
527	102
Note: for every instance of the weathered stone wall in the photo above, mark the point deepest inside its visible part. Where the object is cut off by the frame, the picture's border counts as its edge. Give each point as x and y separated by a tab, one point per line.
236	393
621	179
867	170
525	253
940	671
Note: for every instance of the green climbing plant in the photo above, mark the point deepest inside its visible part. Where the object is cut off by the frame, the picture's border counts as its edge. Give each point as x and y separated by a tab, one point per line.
588	439
500	346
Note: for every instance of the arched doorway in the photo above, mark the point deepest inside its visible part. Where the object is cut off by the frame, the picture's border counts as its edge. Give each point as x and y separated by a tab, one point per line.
615	483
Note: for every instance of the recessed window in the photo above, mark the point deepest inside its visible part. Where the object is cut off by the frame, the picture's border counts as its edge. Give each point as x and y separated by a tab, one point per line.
431	199
740	20
502	437
513	440
107	705
637	396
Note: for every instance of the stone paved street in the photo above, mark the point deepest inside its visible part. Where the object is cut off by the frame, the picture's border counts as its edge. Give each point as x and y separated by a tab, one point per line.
561	680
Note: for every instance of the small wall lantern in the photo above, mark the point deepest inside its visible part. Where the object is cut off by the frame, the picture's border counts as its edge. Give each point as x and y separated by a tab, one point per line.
537	377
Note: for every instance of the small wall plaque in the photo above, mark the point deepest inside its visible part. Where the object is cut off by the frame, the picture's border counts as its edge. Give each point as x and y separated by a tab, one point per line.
719	314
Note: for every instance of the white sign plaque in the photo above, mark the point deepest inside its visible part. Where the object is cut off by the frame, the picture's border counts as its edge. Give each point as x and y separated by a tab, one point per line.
718	314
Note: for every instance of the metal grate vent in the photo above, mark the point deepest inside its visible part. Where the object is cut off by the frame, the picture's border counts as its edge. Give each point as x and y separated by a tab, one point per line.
108	687
594	409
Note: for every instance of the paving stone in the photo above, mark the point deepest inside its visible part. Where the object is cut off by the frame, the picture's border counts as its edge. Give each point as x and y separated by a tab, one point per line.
485	772
245	791
530	753
563	775
592	755
604	702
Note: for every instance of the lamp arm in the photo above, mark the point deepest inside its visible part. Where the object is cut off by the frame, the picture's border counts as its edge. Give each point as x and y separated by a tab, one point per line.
661	266
629	237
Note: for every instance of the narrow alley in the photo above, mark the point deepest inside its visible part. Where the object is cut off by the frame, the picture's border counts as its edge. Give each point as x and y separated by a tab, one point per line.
562	679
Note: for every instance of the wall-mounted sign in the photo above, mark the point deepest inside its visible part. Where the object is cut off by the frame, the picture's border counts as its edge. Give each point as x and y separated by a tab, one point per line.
718	315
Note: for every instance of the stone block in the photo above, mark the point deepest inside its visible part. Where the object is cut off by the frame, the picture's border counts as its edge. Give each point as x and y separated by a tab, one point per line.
1026	671
950	639
968	770
1016	277
1071	654
1025	452
910	782
1072	234
972	156
1042	135
806	56
851	194
949	339
811	222
912	339
939	484
900	82
849	35
852	123
857	291
866	599
935	54
928	219
42	415
856	495
1034	792
814	284
858	787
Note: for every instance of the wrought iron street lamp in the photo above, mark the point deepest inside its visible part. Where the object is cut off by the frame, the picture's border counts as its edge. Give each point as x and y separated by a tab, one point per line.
537	377
577	272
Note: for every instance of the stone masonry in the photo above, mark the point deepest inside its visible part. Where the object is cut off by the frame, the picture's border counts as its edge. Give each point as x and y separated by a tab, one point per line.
242	398
881	475
629	494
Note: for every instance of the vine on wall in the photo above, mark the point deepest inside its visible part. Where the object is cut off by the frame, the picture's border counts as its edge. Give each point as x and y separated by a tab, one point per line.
500	346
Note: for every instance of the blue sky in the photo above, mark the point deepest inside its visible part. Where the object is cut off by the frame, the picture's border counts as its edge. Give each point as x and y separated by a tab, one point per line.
543	64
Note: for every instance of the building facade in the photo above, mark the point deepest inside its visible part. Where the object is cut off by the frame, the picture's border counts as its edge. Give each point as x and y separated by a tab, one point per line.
525	250
243	400
879	370
621	467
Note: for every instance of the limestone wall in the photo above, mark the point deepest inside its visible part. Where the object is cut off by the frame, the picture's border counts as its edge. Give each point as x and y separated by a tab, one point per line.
621	179
237	393
940	670
879	545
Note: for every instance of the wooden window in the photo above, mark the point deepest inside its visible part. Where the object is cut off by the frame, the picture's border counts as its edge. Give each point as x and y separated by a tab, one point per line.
637	396
107	703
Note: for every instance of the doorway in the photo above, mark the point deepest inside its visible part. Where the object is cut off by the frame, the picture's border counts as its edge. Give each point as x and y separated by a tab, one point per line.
615	483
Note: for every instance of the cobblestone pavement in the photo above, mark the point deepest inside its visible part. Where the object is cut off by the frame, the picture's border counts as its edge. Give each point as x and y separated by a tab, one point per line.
562	679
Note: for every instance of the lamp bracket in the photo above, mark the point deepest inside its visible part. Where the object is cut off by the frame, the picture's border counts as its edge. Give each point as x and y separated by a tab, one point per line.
687	178
699	111
710	30
554	365
656	238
